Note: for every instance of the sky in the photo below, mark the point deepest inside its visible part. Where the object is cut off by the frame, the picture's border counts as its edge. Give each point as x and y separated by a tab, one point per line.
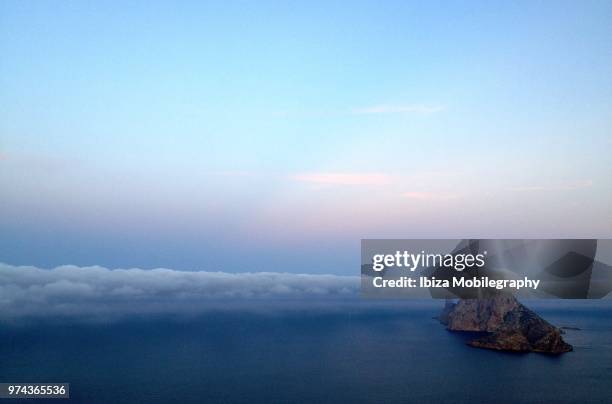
273	136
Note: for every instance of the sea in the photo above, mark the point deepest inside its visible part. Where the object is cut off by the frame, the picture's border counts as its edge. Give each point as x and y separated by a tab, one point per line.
350	352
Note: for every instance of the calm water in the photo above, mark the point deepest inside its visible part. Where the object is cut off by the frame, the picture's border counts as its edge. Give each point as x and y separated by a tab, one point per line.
357	354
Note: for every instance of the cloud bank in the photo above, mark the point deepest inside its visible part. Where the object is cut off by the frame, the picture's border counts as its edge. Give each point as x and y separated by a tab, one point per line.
72	291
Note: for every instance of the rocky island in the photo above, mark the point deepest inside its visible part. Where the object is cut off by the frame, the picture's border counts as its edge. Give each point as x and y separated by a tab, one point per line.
507	325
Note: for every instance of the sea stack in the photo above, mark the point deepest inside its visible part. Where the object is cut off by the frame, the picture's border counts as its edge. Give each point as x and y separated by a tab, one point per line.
509	325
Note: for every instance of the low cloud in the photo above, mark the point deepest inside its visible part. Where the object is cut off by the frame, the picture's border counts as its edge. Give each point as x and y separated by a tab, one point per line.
95	292
399	109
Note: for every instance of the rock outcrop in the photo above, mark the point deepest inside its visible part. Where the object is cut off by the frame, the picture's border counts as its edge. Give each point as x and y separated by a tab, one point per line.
509	326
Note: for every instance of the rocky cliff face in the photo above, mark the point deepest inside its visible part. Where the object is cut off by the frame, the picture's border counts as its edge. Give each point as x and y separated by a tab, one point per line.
509	325
480	314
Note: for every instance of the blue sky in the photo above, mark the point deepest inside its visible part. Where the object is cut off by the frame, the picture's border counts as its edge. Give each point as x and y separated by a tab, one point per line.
274	136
